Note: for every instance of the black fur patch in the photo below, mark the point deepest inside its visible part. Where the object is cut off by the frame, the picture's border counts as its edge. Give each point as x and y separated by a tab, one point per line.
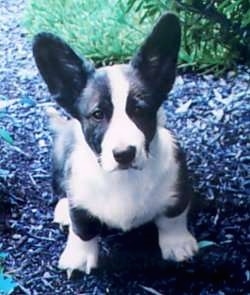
84	225
142	105
184	187
64	72
96	98
155	61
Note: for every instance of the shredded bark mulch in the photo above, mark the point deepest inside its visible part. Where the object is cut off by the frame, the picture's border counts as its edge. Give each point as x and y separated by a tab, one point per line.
210	117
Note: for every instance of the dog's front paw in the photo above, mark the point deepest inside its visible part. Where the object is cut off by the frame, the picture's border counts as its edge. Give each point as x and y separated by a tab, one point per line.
178	247
80	260
79	255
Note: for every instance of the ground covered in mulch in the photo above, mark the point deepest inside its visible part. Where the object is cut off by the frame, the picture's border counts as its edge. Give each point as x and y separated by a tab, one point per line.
210	117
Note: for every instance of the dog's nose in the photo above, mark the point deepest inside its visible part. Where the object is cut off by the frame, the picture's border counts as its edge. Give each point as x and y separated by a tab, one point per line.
124	156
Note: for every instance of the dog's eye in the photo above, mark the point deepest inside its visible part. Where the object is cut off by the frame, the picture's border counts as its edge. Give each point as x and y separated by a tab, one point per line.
98	115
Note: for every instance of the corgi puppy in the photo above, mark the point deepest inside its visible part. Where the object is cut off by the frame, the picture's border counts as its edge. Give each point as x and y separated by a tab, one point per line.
114	160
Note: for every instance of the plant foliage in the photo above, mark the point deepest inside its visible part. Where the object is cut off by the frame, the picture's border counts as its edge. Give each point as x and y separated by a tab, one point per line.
102	30
215	33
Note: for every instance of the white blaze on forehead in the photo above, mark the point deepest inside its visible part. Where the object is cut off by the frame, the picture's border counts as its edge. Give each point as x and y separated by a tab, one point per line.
119	88
122	132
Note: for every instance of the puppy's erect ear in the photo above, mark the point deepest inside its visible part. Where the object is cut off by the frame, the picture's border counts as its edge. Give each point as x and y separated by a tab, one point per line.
65	73
156	60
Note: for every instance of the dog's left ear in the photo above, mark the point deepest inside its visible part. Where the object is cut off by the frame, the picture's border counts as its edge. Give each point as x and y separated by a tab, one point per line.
64	72
155	62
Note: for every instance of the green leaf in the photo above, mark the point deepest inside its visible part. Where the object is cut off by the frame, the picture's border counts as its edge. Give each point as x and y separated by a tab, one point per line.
185	56
7	285
204	244
6	136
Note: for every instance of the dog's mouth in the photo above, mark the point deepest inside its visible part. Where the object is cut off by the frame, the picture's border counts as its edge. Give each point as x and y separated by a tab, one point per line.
132	166
127	167
123	167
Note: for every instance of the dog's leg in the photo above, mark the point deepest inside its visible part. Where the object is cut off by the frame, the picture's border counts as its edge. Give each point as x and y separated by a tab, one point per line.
61	213
81	251
175	241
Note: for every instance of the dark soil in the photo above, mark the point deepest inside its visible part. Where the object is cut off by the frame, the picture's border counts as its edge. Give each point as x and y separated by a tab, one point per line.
210	118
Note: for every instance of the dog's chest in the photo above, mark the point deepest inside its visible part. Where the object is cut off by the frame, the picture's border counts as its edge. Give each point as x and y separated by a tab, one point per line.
125	204
124	199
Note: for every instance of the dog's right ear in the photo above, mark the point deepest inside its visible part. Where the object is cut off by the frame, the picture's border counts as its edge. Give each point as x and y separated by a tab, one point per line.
64	72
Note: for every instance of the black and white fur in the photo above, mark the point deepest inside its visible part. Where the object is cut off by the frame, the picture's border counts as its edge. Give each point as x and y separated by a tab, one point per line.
114	160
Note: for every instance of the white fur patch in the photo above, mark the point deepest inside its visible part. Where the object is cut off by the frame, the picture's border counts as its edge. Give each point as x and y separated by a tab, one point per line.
175	241
122	131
